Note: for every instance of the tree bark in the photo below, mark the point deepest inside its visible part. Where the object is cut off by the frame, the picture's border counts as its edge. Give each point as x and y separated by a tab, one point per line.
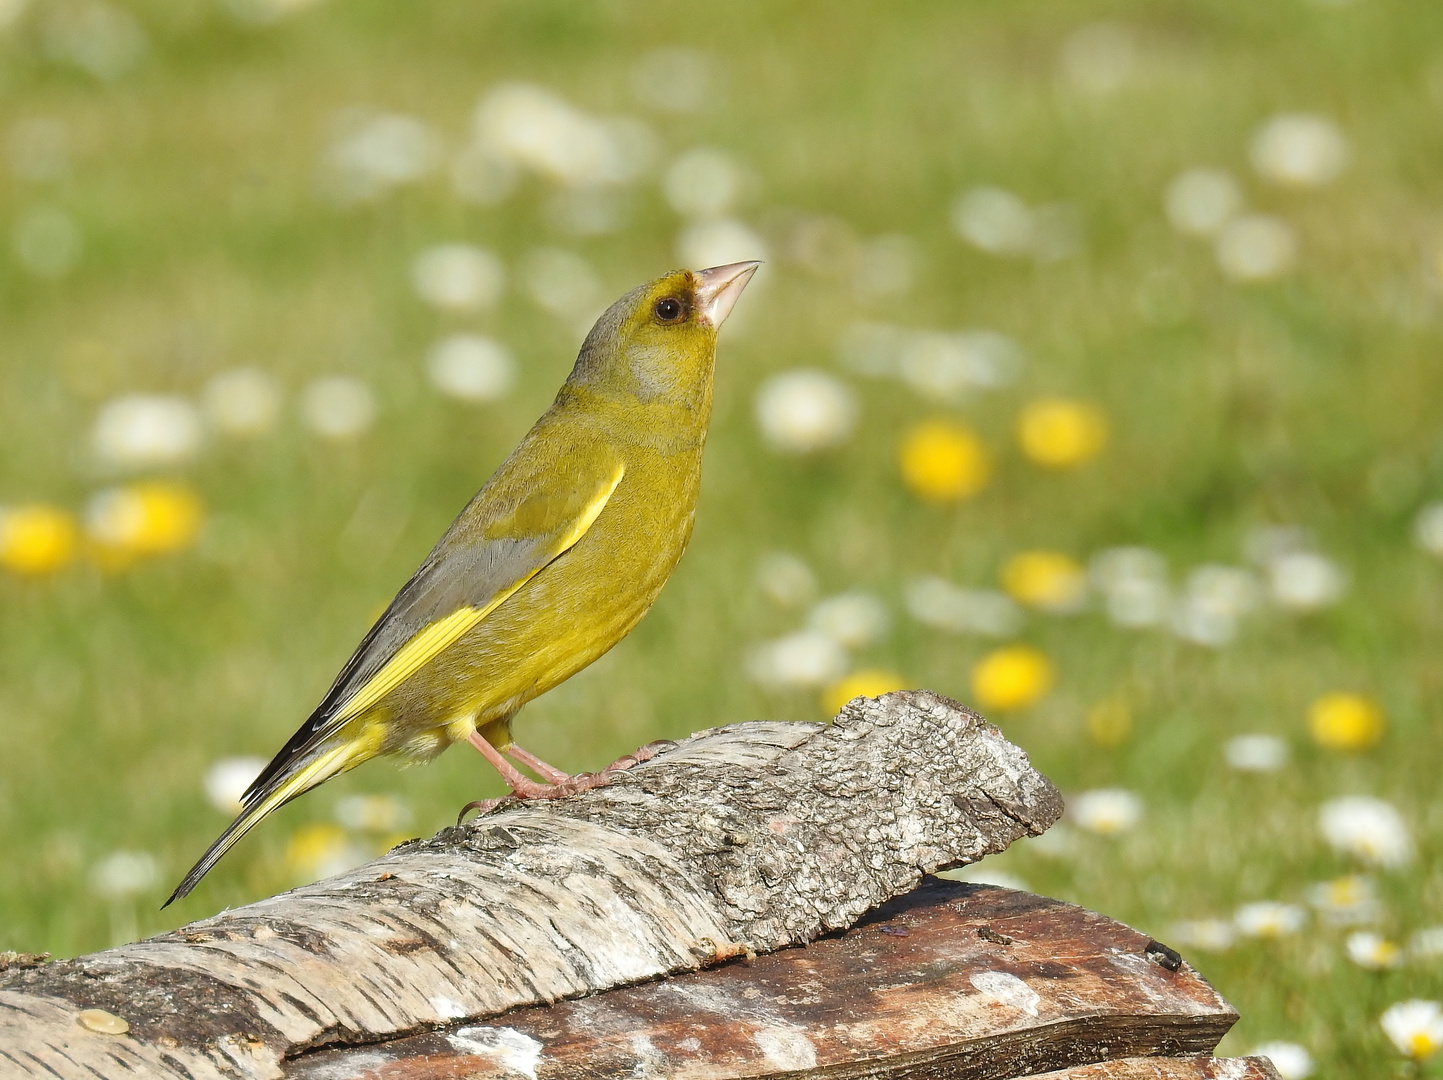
953	981
747	838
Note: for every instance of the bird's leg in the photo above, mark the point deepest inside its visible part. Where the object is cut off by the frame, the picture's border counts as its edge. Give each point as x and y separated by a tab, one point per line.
521	786
534	763
562	784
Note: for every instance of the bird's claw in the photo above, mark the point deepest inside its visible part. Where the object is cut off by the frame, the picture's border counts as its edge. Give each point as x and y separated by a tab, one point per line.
481	806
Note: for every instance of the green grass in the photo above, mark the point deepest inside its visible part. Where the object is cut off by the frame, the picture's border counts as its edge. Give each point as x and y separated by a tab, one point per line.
1311	400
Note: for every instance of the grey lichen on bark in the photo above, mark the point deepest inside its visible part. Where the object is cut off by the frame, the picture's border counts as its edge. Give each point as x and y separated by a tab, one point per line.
751	837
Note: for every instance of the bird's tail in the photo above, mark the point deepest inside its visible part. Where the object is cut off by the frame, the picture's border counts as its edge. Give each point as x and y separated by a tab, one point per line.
275	794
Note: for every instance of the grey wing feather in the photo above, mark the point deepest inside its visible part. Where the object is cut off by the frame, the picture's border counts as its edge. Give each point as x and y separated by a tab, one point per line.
451	578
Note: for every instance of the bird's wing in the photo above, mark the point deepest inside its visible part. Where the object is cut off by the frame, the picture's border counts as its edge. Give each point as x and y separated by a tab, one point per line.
509	532
532	511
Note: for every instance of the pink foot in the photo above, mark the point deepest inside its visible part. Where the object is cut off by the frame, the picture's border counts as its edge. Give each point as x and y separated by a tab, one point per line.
562	784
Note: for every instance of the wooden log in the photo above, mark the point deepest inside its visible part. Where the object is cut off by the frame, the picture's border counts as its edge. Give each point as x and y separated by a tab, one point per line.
746	838
967	982
1189	1068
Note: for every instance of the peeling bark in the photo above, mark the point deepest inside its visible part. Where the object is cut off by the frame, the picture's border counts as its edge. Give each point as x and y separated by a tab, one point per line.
747	838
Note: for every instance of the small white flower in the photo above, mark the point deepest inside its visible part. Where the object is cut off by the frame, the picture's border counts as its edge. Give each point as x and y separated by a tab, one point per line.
995	221
1199	202
105	40
338	407
947	367
1098	59
807	658
1269	919
1415	1027
471	368
786	580
1305	581
1256	753
936	602
1367	829
983	873
538	130
1292	1061
1427	943
1215	598
717	243
47	242
1209	935
10	11
244	402
1299	150
853	620
1256	247
145	430
703	183
376	152
458	277
1106	811
124	874
227	780
1428	528
373	813
1372	950
1134	585
1346	901
805	411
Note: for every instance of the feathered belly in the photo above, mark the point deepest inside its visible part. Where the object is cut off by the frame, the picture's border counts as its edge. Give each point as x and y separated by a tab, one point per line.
573	611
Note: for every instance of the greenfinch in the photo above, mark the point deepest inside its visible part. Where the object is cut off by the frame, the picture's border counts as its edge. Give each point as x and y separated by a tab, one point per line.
552	563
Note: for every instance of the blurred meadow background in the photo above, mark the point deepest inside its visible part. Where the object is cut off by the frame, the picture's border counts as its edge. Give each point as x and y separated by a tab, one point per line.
1093	379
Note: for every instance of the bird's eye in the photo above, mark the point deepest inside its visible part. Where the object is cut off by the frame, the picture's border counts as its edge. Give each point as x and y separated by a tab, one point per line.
670	310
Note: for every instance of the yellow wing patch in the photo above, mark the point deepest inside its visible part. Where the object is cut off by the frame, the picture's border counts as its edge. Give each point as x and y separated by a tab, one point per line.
431	641
592	511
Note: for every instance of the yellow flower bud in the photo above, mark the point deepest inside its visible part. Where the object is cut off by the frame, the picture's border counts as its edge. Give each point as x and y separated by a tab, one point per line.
1011	677
36	539
942	461
148	518
869	682
1045	579
1345	721
1060	434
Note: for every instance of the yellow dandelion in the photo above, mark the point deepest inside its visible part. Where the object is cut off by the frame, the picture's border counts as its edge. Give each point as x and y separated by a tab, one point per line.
1345	721
147	518
317	849
869	682
943	461
1060	434
1045	579
36	539
1011	677
1109	722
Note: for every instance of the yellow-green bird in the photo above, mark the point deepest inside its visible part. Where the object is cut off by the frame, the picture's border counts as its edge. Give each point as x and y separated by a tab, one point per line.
552	563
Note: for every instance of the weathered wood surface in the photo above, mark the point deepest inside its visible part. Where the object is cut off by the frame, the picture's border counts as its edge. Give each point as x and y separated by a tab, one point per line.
756	836
1188	1068
956	981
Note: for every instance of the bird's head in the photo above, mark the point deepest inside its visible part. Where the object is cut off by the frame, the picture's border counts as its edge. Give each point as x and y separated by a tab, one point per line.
659	340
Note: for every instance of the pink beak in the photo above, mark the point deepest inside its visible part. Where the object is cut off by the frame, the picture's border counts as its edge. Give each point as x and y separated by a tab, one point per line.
718	288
